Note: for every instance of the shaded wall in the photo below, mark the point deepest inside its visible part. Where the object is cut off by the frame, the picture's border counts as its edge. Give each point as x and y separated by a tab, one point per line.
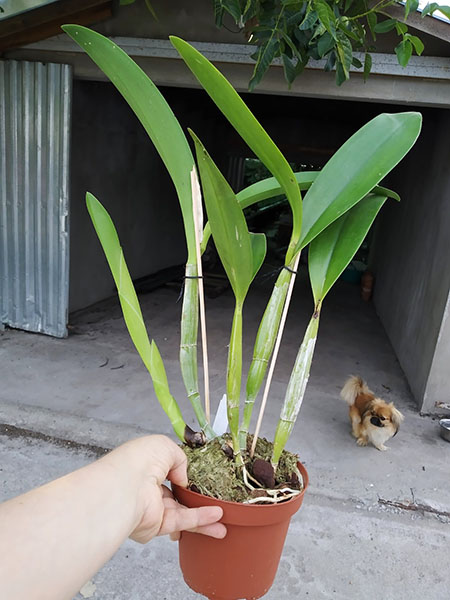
113	158
413	272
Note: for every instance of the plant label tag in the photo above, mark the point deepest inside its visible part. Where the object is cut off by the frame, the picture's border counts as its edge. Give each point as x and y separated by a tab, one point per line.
220	425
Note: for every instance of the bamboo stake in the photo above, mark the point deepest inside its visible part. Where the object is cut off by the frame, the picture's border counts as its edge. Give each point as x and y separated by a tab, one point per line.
274	355
198	228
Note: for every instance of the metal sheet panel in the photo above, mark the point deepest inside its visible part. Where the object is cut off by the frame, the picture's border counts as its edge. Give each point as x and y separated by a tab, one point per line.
34	201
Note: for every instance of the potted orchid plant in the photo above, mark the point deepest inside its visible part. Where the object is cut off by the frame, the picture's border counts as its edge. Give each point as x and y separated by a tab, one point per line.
259	484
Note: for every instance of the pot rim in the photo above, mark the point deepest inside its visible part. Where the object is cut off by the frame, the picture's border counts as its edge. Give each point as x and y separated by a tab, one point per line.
245	514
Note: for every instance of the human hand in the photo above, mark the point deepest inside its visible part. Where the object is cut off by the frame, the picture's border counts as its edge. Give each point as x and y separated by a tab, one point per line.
156	458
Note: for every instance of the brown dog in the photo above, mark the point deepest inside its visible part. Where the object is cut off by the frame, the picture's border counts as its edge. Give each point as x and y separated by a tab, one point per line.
373	420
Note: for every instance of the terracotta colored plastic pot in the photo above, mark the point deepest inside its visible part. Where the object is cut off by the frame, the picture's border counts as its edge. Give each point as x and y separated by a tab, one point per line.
243	565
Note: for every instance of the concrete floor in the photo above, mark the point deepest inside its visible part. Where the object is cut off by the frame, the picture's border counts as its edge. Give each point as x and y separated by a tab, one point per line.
372	525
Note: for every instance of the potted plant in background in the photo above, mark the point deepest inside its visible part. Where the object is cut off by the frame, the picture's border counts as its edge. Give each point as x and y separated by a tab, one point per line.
258	483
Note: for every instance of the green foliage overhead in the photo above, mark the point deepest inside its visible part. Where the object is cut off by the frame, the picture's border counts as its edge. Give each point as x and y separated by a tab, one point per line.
295	31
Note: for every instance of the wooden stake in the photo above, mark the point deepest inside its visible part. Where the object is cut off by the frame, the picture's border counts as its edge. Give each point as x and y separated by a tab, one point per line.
274	355
198	228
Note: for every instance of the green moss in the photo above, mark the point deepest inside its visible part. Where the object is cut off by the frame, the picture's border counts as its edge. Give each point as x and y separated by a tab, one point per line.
212	471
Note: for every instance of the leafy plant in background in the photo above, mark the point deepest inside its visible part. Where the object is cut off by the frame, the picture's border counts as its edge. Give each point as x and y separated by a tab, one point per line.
340	203
294	31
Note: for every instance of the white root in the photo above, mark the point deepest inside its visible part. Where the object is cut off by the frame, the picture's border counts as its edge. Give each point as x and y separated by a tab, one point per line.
274	496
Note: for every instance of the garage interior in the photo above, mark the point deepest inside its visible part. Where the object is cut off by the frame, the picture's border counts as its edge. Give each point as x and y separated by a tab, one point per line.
113	158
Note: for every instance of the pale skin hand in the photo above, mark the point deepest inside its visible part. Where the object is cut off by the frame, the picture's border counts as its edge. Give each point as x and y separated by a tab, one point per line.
56	537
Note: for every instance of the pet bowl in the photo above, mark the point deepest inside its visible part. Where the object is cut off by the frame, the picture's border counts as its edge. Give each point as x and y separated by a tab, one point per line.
444	426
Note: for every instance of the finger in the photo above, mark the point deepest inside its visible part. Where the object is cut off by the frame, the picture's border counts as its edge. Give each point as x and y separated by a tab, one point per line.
182	518
216	530
177	469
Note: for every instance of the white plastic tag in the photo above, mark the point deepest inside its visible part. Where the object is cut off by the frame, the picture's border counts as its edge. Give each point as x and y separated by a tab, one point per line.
220	425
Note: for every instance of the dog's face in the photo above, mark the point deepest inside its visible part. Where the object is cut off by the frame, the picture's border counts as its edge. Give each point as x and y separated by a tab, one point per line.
383	415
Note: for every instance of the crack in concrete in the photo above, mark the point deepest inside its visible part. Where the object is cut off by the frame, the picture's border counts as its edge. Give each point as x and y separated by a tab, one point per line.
414	506
17	432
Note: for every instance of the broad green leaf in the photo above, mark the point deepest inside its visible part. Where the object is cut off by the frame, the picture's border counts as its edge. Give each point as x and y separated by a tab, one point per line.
132	312
266	54
310	19
152	111
401	28
326	16
357	63
228	226
367	65
372	21
325	44
259	249
445	10
341	74
270	188
236	111
403	52
429	9
289	69
234	8
345	51
410	7
417	43
385	26
356	168
332	250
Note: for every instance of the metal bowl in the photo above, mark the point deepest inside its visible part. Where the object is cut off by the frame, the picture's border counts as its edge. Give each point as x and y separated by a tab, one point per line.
444	426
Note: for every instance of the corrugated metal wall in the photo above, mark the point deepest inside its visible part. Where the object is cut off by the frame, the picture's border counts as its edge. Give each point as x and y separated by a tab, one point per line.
35	102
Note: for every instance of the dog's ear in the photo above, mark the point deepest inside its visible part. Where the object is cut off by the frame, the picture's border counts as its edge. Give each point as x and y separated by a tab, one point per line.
396	415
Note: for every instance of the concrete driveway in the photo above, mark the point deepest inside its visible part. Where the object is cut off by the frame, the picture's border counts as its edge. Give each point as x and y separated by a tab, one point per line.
373	525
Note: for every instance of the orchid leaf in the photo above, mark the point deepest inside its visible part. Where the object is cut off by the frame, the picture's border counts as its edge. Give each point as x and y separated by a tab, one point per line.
241	118
333	249
129	302
239	255
356	168
151	109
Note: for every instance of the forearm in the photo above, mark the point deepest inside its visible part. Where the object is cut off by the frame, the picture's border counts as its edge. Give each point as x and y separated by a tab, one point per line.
54	538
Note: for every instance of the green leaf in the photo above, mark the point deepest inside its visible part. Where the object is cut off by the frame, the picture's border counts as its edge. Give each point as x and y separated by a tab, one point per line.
332	250
429	8
234	8
228	226
289	69
218	13
236	111
417	43
403	52
367	65
340	74
410	7
329	66
266	54
385	26
326	16
132	312
151	109
325	44
372	22
309	21
401	28
445	10
345	52
356	168
357	63
259	249
126	2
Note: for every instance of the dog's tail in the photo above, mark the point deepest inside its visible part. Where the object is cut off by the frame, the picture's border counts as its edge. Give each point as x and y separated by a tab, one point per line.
353	387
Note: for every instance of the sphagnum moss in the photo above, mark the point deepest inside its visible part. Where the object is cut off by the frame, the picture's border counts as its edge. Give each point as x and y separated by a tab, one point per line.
213	472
